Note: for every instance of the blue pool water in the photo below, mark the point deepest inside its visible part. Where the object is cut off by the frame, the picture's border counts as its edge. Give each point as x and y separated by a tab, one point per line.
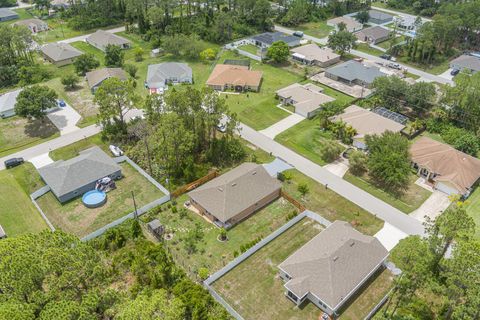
94	198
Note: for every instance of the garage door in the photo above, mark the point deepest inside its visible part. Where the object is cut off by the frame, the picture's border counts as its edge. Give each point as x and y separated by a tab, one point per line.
446	188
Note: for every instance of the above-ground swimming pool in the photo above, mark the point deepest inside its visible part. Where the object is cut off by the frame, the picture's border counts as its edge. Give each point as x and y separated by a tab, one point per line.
94	198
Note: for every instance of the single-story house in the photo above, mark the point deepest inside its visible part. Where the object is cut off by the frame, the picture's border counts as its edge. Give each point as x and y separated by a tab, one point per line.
160	75
7	103
379	17
7	14
96	77
466	62
351	24
238	78
307	99
353	72
60	54
71	178
3	234
373	35
314	55
329	269
100	39
235	195
265	40
35	25
447	169
406	22
61	4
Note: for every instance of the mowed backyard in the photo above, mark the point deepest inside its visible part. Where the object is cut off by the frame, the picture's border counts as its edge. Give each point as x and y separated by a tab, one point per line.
74	217
254	289
473	209
18	215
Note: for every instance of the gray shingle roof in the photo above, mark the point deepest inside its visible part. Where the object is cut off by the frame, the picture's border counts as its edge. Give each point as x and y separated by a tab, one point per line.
379	15
231	193
6	13
66	176
40	24
354	70
158	74
466	62
375	32
96	77
271	37
105	38
60	51
8	100
332	264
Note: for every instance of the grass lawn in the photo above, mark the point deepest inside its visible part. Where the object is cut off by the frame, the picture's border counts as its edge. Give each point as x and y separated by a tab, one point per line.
386	44
18	133
318	29
211	253
437	68
473	209
254	289
258	109
249	48
73	149
341	99
18	215
331	205
364	47
86	48
307	139
408	202
74	217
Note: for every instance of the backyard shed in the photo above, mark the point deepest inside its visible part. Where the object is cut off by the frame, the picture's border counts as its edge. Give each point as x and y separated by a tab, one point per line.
156	228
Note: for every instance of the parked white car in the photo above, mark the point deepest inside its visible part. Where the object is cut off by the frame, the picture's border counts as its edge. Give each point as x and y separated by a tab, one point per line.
116	151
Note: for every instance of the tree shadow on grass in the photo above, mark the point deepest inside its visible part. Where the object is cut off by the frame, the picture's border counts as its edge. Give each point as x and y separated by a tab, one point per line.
40	128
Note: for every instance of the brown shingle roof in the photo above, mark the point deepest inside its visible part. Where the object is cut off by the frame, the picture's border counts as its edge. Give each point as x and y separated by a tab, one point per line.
224	74
314	52
333	264
450	165
231	193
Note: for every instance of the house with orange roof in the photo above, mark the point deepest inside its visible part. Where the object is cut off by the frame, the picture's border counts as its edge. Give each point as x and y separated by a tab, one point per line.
234	77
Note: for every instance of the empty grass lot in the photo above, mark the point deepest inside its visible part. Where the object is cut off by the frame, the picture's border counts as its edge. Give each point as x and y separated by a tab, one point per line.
211	253
330	205
18	215
386	44
258	109
408	202
254	289
73	149
318	29
364	47
74	217
18	133
473	209
307	139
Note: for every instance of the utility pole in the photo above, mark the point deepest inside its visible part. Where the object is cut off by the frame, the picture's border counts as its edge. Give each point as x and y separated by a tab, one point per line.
135	213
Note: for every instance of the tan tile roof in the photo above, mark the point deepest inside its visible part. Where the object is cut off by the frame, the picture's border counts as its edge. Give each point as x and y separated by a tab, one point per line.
333	264
231	193
451	165
314	52
224	74
307	97
367	122
105	38
349	22
97	76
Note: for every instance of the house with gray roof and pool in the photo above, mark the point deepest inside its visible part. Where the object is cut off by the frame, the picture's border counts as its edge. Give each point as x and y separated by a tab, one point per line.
353	72
329	269
71	178
266	39
160	75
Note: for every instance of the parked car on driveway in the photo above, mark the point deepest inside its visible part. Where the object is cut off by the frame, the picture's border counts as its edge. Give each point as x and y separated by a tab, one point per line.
116	151
13	162
61	103
454	72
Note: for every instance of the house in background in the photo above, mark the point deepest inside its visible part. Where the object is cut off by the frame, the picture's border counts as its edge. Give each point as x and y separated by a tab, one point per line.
7	14
351	24
407	22
72	178
34	25
354	73
314	55
466	62
235	77
329	269
447	169
60	54
96	77
373	35
7	103
235	195
379	17
307	99
101	39
265	40
160	75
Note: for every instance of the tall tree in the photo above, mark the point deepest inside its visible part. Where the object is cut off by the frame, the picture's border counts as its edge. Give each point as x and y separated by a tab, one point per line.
341	41
114	56
34	101
278	52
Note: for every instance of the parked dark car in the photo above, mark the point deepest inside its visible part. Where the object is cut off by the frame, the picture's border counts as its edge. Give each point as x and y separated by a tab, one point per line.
454	72
13	162
298	34
386	56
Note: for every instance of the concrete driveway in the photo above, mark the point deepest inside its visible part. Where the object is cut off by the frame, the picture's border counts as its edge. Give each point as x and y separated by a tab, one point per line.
65	119
432	207
389	236
339	167
446	74
282	125
41	160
